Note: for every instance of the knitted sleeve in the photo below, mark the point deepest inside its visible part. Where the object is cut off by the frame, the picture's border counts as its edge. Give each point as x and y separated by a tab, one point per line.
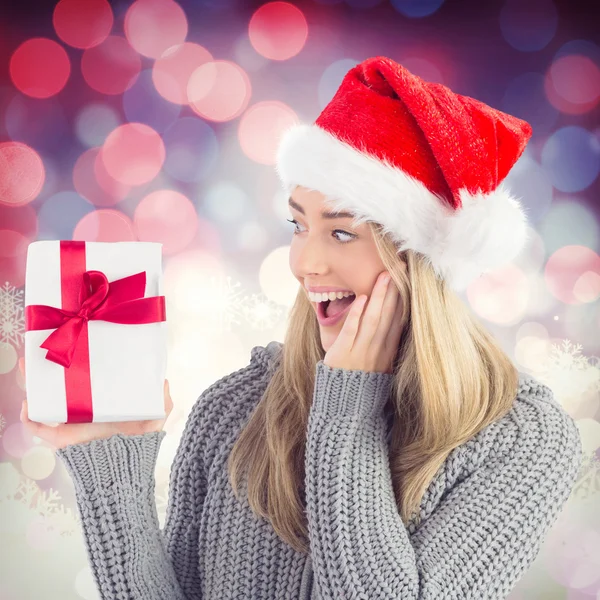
487	528
130	557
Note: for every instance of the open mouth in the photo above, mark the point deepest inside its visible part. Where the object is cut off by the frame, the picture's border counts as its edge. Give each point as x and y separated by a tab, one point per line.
331	308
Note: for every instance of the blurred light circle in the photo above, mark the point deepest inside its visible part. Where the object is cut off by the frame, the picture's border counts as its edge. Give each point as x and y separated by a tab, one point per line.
587	287
331	79
105	225
532	352
82	24
93	183
417	8
19	219
16	440
261	127
525	97
569	222
41	124
192	149
581	47
59	214
94	122
224	201
530	183
278	30
251	236
21	174
133	154
8	358
572	84
571	274
276	280
111	67
12	243
38	462
143	104
571	158
219	91
168	217
172	71
154	26
500	297
39	67
576	78
528	26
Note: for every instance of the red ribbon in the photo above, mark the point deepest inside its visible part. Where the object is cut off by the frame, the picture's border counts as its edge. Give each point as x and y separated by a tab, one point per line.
87	295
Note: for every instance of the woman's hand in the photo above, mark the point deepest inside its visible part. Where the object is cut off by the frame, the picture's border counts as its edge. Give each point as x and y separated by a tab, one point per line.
64	434
370	344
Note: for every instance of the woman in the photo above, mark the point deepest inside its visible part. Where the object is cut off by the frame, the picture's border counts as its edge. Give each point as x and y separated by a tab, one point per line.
389	448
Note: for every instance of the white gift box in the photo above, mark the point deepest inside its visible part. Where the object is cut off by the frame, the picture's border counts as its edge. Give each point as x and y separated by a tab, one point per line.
127	362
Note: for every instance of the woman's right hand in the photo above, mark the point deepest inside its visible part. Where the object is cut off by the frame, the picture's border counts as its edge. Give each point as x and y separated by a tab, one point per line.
63	434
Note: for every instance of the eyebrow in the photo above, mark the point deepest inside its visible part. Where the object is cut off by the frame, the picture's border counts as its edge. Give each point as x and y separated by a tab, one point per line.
325	214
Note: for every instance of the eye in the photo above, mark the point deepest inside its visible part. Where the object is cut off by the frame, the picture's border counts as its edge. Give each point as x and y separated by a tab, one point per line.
336	231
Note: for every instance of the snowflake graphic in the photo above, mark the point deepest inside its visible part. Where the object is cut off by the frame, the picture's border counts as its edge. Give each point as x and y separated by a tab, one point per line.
45	504
261	313
2	423
228	305
12	315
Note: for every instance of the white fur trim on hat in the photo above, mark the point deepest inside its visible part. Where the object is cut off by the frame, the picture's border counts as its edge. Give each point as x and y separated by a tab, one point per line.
488	231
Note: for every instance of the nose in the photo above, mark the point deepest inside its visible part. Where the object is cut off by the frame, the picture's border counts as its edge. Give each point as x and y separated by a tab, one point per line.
309	257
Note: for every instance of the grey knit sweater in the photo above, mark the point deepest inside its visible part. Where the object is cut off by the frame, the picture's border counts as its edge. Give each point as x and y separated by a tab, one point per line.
482	520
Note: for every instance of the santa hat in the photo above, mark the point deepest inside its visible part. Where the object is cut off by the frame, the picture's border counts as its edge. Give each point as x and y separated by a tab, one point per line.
422	161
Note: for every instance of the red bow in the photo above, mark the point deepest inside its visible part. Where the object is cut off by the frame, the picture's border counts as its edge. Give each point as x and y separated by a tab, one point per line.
120	301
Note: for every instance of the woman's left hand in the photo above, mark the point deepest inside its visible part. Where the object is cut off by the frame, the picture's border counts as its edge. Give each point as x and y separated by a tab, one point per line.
369	344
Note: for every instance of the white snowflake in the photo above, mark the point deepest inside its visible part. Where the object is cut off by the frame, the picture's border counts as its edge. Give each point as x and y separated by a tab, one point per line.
12	315
260	313
2	422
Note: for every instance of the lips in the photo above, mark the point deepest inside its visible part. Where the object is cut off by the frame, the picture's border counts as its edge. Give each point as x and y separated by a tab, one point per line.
329	321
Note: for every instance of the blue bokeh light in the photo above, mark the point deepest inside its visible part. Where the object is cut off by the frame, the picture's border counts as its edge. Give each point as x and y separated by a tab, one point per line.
417	8
528	26
571	158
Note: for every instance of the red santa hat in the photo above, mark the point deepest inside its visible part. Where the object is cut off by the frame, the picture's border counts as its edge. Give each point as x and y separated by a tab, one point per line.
422	161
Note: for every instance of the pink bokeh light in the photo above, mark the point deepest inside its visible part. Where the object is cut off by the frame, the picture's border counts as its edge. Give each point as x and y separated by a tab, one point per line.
172	71
154	26
572	84
261	127
111	67
105	225
82	24
92	181
133	154
571	274
278	30
219	90
22	173
40	67
166	216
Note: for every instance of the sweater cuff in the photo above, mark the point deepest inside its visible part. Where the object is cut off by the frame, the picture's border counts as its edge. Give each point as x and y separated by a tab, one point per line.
105	466
350	392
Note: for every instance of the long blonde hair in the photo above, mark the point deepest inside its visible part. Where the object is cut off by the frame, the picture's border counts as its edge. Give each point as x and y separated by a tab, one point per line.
451	379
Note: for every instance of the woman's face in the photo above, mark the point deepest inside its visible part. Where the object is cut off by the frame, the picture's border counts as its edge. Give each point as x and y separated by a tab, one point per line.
330	252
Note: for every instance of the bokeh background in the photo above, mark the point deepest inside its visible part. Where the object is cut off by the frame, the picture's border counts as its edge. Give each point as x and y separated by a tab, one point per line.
159	121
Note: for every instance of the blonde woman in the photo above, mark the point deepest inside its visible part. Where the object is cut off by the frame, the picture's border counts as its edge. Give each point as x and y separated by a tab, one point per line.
388	448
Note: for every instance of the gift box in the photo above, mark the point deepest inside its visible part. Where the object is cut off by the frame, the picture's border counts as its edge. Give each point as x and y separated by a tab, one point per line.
95	331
